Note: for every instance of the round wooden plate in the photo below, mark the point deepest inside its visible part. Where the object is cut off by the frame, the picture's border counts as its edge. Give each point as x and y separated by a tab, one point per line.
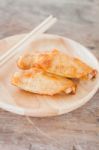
25	103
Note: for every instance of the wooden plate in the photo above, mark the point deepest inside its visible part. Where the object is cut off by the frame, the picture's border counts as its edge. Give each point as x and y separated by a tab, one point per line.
25	103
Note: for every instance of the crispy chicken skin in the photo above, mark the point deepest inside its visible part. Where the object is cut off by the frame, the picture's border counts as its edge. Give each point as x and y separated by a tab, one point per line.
57	63
37	81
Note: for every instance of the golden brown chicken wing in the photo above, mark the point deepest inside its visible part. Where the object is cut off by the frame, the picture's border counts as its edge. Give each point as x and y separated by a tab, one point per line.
37	81
57	63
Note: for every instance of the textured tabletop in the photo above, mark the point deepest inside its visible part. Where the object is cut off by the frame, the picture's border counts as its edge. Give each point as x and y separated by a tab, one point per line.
77	130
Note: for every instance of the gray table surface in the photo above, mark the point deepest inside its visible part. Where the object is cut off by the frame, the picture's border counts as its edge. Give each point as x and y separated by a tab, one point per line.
77	130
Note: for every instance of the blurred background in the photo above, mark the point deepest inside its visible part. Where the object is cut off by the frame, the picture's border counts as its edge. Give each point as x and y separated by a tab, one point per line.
77	19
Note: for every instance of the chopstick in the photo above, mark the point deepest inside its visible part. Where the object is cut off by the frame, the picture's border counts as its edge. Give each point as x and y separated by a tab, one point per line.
46	24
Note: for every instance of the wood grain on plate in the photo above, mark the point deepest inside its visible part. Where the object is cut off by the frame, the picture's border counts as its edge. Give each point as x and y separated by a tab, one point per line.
25	103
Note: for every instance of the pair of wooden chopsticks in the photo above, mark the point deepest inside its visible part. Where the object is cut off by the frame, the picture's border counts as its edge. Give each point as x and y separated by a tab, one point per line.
46	24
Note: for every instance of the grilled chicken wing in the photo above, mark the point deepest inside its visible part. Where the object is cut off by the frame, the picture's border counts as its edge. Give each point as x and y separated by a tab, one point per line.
57	63
37	81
